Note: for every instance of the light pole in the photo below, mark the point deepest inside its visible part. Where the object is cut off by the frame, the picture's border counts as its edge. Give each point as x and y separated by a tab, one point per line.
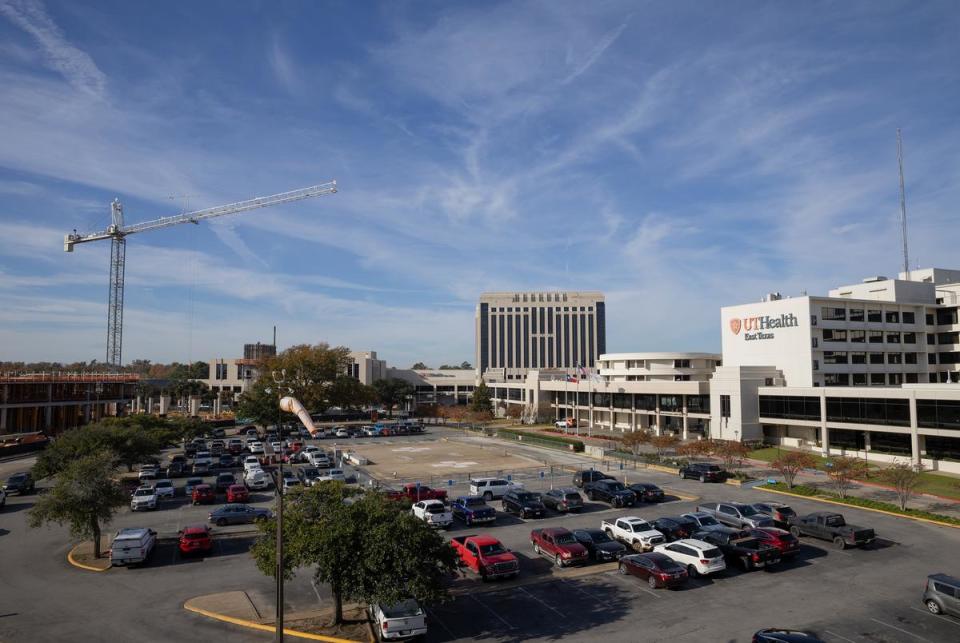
278	379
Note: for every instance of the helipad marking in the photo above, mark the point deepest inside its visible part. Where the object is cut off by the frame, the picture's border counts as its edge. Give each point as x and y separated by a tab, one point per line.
453	464
410	449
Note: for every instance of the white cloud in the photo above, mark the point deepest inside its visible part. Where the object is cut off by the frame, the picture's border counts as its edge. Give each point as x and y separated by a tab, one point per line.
75	65
284	69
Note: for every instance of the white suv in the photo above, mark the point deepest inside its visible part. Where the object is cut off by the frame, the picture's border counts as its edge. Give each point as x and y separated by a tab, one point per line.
700	558
164	489
143	498
491	488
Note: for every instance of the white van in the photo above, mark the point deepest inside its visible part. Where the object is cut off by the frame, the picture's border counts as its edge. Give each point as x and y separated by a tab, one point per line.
132	545
333	474
256	479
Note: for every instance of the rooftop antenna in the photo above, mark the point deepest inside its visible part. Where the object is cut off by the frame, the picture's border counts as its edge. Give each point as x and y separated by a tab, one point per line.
903	208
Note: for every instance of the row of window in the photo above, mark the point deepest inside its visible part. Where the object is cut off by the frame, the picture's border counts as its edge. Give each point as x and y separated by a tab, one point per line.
933	414
870	336
871	315
871	379
526	309
843	357
627	401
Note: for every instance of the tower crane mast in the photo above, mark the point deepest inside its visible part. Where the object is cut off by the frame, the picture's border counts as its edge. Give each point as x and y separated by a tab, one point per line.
117	232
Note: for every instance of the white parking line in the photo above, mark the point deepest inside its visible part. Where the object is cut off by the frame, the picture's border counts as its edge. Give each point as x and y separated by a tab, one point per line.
942	620
625	582
842	638
434	617
486	607
894	627
544	603
582	591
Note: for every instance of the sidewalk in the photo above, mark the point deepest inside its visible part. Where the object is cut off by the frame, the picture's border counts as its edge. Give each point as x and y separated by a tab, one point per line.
256	610
820	480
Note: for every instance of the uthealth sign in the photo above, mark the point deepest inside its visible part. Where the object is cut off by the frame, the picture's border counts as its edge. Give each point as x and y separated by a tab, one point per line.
753	326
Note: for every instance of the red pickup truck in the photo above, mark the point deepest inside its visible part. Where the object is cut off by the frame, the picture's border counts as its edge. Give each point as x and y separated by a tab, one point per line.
560	544
486	556
415	494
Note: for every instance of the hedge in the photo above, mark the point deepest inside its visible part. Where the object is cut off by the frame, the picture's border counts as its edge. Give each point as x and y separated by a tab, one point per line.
555	441
853	501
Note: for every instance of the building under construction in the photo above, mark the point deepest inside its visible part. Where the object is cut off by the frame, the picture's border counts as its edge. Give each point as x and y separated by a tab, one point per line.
53	402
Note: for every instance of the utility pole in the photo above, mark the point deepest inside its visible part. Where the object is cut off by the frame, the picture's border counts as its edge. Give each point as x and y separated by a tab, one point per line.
278	379
903	208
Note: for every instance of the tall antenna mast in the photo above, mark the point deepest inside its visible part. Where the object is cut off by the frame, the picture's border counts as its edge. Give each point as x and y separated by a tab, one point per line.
903	208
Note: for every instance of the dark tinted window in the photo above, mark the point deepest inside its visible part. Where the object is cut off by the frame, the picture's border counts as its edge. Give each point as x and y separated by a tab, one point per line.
946	589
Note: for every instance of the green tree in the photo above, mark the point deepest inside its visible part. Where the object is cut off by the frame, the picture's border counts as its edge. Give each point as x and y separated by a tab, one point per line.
482	400
419	366
392	391
349	393
465	365
307	373
85	496
369	550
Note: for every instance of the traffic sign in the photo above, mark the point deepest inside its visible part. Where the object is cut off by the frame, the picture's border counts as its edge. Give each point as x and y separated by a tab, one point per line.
542	474
449	483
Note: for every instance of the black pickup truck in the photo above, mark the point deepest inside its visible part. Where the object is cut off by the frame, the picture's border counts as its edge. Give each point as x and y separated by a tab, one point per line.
743	551
827	525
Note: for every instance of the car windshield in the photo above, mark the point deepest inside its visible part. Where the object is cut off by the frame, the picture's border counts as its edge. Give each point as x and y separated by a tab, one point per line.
144	492
615	486
571	497
492	549
712	467
786	511
528	497
748	510
194	536
474	502
565	539
707	521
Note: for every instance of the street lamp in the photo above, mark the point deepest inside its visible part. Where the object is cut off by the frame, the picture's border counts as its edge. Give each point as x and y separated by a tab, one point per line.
278	378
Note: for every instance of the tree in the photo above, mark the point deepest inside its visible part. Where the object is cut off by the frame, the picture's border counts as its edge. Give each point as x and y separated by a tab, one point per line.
662	443
514	411
370	550
349	393
392	391
842	471
695	448
85	496
465	366
636	439
904	477
419	366
791	463
730	451
307	373
482	399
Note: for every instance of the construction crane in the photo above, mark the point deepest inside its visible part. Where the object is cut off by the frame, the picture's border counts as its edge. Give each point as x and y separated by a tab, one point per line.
118	233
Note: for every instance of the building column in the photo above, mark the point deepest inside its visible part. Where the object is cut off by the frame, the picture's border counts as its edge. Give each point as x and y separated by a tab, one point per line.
164	404
47	417
657	427
866	441
685	435
3	419
824	434
914	436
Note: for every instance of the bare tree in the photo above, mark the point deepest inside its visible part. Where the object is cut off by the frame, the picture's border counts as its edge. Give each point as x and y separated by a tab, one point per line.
662	443
792	463
636	439
904	477
843	470
730	451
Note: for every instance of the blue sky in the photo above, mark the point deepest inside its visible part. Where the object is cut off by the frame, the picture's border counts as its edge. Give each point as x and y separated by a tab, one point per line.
677	156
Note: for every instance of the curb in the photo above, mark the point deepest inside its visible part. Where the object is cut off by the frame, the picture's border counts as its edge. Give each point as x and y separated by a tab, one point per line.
263	628
844	504
72	561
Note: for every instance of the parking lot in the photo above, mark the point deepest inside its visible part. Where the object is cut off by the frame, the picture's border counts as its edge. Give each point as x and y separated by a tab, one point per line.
853	595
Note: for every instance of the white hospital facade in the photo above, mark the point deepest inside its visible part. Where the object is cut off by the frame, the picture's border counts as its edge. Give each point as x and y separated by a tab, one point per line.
871	369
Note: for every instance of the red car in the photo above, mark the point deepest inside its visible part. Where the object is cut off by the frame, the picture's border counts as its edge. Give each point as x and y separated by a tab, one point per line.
658	569
195	540
237	493
203	494
560	545
783	540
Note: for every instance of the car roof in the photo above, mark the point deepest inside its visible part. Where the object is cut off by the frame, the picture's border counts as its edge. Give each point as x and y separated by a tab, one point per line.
459	498
195	529
699	514
554	530
132	532
473	480
633	519
945	578
693	542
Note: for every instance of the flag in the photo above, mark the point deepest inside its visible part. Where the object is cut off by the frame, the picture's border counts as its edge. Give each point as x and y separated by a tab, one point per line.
581	371
571	378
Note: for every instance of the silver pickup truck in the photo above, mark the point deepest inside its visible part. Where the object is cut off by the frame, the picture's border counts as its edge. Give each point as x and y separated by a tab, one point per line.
736	514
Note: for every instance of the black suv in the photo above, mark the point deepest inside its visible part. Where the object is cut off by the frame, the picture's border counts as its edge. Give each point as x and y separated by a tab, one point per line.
611	491
525	504
19	482
580	478
224	481
675	527
704	472
647	492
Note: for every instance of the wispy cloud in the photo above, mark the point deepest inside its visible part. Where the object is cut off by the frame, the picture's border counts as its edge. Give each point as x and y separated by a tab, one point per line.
579	67
283	67
75	65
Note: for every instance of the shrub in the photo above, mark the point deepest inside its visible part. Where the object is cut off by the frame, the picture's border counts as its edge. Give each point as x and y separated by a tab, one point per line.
541	438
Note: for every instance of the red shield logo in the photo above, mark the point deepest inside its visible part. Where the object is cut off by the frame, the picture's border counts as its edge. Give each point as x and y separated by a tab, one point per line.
735	326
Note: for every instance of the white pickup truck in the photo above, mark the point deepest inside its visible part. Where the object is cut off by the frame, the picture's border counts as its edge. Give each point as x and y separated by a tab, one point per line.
405	620
634	532
434	513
